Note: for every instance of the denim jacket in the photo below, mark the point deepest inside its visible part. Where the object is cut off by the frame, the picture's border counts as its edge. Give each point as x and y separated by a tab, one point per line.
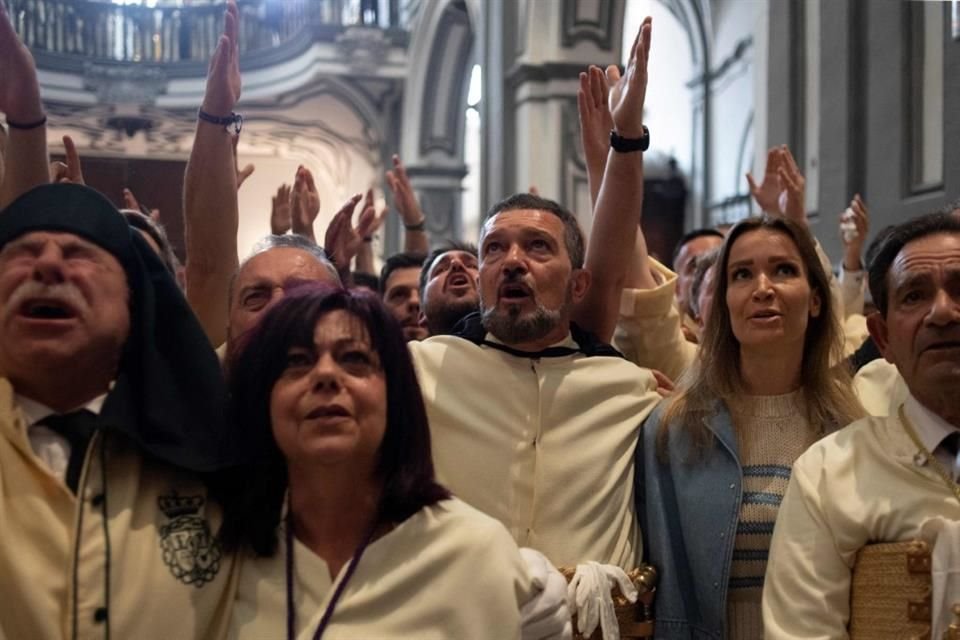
688	514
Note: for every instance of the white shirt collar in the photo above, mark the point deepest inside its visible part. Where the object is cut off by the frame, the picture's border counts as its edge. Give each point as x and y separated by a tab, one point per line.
35	411
931	428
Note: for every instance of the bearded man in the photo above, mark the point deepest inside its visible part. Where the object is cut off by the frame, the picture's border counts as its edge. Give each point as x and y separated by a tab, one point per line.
533	420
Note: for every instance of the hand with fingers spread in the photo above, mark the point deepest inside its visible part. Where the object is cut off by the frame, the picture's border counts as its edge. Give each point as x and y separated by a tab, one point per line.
854	224
792	188
223	76
304	204
247	171
404	197
71	171
595	123
767	193
280	216
628	93
342	240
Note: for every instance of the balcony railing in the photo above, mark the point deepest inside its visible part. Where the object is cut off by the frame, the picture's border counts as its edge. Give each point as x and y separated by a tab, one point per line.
171	32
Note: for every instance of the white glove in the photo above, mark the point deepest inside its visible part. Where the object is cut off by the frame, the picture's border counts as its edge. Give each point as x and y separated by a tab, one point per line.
545	616
589	595
848	227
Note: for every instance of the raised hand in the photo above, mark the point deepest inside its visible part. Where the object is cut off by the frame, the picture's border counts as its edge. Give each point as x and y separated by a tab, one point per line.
71	171
130	202
792	188
854	224
342	241
223	77
628	92
767	194
247	171
378	218
280	216
304	203
595	123
19	89
403	196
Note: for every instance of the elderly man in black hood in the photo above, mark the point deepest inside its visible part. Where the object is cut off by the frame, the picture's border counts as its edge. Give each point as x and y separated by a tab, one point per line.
110	419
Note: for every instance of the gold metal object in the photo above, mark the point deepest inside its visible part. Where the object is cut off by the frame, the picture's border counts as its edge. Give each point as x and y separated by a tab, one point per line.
953	631
941	471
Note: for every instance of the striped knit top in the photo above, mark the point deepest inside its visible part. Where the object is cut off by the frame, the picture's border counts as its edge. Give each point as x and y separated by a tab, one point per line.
772	432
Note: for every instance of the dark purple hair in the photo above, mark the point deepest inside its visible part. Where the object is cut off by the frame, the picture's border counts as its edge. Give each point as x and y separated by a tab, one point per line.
253	497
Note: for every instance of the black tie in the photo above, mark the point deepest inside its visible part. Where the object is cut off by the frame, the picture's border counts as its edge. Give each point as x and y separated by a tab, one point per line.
77	428
951	444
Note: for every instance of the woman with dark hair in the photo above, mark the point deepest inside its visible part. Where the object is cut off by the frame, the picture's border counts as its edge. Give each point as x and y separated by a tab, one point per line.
716	456
347	532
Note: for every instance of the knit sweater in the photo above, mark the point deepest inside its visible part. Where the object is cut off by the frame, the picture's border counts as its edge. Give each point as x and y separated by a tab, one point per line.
772	432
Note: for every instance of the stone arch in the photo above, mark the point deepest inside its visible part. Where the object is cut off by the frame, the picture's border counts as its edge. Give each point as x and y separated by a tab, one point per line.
435	99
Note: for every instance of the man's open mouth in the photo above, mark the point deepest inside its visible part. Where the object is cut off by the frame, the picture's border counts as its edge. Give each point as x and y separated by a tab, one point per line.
514	291
47	309
458	280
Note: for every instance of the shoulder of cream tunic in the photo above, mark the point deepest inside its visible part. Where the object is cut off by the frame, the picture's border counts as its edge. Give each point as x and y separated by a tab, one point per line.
880	388
448	571
858	486
168	576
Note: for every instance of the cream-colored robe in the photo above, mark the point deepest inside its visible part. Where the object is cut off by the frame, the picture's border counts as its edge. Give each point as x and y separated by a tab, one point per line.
857	486
446	572
880	388
546	446
168	577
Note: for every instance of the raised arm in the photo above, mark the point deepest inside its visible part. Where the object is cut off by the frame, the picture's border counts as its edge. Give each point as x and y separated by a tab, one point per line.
304	204
415	238
211	212
365	262
593	108
25	158
620	198
854	224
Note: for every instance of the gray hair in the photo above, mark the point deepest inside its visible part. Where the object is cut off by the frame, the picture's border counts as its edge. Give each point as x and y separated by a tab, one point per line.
289	241
292	241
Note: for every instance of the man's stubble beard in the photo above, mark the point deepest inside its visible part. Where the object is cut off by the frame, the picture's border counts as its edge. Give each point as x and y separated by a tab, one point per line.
442	318
512	328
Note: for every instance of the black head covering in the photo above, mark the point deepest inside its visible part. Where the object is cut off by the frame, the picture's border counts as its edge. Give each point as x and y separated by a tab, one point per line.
169	393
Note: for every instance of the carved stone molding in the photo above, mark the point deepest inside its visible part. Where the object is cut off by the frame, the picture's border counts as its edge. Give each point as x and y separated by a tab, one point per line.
590	20
124	84
364	48
444	98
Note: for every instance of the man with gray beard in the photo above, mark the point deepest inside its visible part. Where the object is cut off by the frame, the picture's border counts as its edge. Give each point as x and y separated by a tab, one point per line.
533	420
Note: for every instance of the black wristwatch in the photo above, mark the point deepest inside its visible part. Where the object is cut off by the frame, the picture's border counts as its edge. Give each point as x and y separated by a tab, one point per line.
627	145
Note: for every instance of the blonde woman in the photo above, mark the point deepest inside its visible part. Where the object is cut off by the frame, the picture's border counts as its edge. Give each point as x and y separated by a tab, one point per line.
716	457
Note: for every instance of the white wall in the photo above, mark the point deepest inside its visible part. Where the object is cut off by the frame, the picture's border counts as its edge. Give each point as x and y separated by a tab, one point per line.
668	108
733	96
